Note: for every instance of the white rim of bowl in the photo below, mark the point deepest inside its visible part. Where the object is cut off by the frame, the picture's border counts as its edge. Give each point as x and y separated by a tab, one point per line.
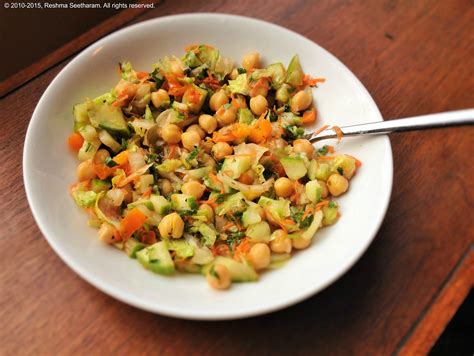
129	298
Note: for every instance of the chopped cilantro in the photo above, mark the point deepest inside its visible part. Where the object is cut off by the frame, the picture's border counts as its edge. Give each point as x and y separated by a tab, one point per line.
332	204
241	70
323	151
294	132
109	162
193	154
157	77
340	171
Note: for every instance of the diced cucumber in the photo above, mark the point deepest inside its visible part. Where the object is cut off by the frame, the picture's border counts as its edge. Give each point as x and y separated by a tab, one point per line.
88	150
183	202
294	167
108	117
237	165
160	204
313	191
295	73
194	97
311	230
312	168
239	272
109	141
157	258
132	246
250	216
98	185
277	72
259	232
330	214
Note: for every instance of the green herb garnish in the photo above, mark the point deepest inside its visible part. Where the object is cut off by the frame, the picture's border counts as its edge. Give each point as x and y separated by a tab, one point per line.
109	162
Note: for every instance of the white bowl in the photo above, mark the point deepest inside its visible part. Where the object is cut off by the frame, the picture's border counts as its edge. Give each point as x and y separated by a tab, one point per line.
49	168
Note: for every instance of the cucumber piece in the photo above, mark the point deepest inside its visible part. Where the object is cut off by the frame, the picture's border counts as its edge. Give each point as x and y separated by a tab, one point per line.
312	168
311	230
239	272
277	72
294	167
330	215
132	246
250	217
109	118
295	73
160	204
157	258
183	203
88	150
313	191
259	232
109	141
237	165
98	185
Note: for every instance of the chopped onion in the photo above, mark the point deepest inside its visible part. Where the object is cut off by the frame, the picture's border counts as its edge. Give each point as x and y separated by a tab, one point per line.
116	196
136	160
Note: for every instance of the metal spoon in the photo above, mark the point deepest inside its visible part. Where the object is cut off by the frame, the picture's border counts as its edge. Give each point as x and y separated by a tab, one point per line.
445	119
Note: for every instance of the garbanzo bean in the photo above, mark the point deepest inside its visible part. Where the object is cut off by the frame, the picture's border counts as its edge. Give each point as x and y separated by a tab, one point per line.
100	156
218	277
337	184
258	104
160	99
280	243
171	133
325	191
284	187
302	145
165	186
226	115
208	123
194	189
190	139
259	255
207	211
85	171
300	243
197	129
251	61
301	101
171	226
217	100
221	149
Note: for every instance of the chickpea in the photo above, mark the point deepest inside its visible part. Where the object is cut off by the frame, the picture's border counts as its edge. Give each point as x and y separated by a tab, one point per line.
171	226
106	233
128	88
218	277
259	255
160	99
226	115
208	123
301	101
241	102
100	156
207	145
207	211
260	90
302	145
198	129
190	139
217	100
221	149
284	187
300	243
207	160
251	61
85	170
325	191
258	104
337	184
194	189
143	90
280	242
234	74
171	133
165	186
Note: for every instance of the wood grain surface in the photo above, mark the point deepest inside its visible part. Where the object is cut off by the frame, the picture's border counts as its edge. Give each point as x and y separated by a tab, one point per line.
414	58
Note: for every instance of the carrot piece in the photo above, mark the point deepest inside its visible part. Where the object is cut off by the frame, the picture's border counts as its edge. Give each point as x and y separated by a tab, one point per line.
141	75
321	129
338	132
331	149
102	171
242	248
262	130
227	226
321	204
326	158
309	80
147	192
240	130
75	141
307	211
261	83
309	116
132	222
246	178
121	158
173	149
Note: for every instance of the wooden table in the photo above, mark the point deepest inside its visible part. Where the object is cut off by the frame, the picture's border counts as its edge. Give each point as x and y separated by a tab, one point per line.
414	58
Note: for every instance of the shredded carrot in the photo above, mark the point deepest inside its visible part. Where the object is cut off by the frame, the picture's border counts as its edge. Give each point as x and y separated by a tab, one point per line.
173	150
309	116
222	136
242	249
210	202
307	211
227	226
175	87
331	149
338	132
192	95
240	130
261	83
221	249
75	141
142	75
117	236
212	82
321	129
309	80
147	192
321	204
262	130
326	158
132	222
121	100
288	221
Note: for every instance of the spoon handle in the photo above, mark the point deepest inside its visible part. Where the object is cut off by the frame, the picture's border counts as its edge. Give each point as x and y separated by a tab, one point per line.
445	119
